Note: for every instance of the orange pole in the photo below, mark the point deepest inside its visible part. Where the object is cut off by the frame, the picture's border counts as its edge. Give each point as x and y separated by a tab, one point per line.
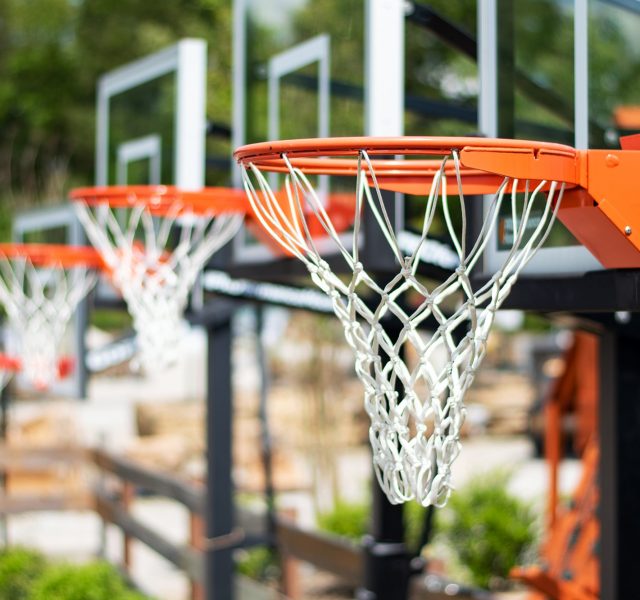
552	451
196	533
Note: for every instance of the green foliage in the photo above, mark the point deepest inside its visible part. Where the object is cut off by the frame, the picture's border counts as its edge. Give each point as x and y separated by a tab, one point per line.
487	528
351	520
259	563
19	569
414	516
347	519
94	581
111	319
26	575
536	323
51	55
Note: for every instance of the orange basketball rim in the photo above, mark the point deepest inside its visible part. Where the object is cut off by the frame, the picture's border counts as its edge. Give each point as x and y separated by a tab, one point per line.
598	206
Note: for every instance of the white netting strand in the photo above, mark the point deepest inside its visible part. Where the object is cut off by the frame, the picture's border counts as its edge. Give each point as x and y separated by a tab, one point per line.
416	410
39	303
154	278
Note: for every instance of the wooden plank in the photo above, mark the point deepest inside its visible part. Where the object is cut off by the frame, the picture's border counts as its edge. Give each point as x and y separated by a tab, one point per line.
326	552
163	484
21	504
185	558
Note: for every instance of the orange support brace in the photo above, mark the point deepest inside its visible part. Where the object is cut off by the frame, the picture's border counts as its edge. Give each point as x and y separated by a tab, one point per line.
571	570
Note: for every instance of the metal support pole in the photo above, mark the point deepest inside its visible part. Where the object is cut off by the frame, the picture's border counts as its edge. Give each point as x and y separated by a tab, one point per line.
4	427
219	568
387	563
265	434
386	572
506	69
81	326
619	466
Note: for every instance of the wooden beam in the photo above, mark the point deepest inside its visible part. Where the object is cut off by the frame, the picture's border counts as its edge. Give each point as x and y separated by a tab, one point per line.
326	552
162	484
185	558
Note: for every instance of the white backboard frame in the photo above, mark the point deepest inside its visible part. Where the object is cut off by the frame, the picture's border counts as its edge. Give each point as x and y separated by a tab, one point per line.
188	60
42	220
148	148
569	260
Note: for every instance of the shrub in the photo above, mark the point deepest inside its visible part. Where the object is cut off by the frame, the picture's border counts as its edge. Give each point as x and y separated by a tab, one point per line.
259	563
488	529
347	519
19	569
351	520
93	581
414	515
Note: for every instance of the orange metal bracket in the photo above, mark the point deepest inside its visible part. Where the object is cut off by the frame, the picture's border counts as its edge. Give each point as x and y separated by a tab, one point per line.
602	205
610	225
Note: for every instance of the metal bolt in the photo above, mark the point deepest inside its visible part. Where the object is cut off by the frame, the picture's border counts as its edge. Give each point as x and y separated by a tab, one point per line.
627	230
611	160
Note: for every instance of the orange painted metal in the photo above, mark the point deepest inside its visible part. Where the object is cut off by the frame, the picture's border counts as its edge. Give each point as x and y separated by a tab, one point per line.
53	255
340	209
552	452
257	154
627	117
9	363
485	162
525	163
159	199
600	205
66	364
571	566
196	535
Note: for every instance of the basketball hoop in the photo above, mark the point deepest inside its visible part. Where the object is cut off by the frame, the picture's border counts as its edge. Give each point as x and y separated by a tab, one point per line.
414	432
132	228
8	366
41	286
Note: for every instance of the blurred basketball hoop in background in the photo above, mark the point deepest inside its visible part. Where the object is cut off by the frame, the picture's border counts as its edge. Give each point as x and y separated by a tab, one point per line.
8	366
41	286
416	413
154	241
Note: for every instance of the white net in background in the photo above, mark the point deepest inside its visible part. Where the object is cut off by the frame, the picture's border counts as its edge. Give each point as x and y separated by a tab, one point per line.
39	303
154	279
416	411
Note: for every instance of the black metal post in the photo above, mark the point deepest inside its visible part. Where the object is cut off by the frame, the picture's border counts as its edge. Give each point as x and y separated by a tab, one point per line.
219	568
387	567
387	562
4	428
81	327
265	433
506	70
619	474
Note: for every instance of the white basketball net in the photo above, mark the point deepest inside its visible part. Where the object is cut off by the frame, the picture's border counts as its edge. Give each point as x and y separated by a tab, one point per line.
155	281
416	411
39	303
